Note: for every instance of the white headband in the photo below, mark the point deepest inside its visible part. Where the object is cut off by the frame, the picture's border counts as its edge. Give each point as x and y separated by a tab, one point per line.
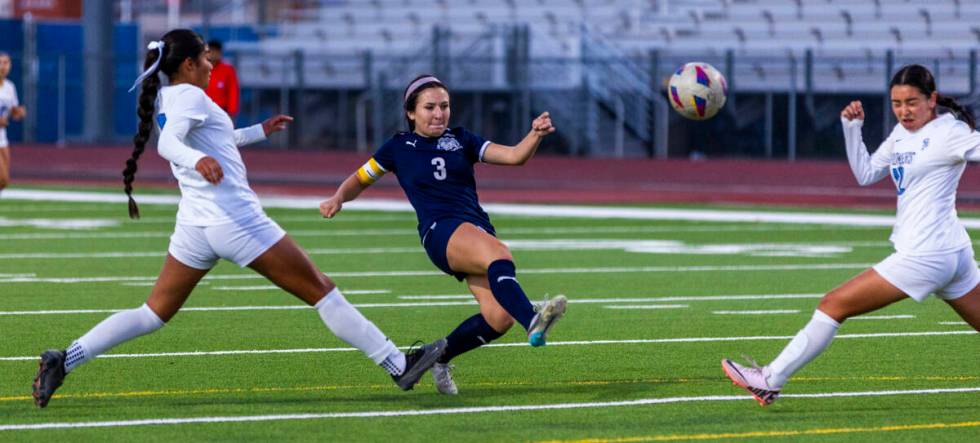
415	85
158	45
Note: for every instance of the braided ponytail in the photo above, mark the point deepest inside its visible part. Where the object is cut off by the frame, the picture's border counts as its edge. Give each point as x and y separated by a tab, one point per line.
178	45
145	108
961	112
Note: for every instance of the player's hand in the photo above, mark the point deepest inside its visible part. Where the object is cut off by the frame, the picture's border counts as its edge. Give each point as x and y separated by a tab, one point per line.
210	169
276	123
18	112
3	121
853	111
330	207
542	125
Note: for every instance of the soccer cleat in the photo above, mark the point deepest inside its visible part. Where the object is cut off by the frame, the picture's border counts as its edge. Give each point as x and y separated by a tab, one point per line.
752	379
50	375
417	361
549	312
442	373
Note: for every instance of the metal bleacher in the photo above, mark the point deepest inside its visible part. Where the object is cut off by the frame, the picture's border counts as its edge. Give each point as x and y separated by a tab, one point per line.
592	56
842	35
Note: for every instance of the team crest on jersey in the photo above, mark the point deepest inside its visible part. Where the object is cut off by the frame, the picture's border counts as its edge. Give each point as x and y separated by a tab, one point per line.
448	143
925	144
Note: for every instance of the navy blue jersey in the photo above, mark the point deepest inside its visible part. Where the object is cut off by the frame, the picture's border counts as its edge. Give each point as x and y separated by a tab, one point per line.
437	174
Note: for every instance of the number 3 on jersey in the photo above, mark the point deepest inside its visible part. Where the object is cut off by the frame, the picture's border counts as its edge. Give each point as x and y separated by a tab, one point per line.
440	164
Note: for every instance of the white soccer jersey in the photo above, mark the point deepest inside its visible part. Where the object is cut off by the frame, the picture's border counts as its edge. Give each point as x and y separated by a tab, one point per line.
193	126
8	100
926	166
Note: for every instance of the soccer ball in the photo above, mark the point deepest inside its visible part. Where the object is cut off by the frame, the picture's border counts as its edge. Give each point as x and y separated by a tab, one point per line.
697	90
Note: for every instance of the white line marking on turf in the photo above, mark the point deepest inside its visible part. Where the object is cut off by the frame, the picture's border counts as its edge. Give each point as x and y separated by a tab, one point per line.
634	246
758	312
276	288
467	297
607	270
882	317
957	323
645	306
437	297
459	411
511	345
562	211
59	223
328	231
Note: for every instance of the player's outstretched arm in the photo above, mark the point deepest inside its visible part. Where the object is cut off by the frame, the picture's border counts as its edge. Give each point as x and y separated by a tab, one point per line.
523	151
349	190
867	170
261	131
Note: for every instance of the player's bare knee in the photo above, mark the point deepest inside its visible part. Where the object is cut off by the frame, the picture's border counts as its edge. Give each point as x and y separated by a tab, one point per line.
498	319
831	305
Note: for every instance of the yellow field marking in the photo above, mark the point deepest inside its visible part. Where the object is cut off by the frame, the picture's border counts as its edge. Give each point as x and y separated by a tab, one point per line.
213	391
825	431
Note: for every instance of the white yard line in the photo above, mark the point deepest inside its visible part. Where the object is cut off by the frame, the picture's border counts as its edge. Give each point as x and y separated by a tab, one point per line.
437	297
511	345
882	317
758	312
563	211
461	410
329	231
631	307
604	270
467	300
276	288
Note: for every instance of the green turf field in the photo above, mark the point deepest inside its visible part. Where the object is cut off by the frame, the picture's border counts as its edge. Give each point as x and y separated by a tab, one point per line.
635	359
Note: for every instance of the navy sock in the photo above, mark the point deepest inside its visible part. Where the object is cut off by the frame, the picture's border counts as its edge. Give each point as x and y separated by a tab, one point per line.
469	335
503	283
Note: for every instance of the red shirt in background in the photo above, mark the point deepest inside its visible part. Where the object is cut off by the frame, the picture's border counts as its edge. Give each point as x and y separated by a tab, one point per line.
223	87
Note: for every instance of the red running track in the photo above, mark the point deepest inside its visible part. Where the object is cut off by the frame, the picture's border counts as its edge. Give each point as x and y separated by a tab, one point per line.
545	179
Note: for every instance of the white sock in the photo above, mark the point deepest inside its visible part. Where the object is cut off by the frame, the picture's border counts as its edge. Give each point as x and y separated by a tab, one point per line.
394	363
346	322
118	328
808	343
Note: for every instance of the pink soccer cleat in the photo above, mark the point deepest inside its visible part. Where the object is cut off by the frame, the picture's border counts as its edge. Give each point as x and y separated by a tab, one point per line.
752	379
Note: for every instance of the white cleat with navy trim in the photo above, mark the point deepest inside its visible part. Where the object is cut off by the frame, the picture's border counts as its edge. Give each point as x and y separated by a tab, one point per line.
753	379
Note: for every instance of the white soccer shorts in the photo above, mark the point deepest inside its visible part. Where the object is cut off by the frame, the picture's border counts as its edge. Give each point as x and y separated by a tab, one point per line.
949	276
201	247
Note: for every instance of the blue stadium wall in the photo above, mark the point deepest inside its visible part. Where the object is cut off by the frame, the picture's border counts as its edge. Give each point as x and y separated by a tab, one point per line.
55	39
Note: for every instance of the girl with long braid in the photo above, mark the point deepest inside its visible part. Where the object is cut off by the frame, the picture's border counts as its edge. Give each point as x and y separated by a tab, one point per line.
925	155
219	216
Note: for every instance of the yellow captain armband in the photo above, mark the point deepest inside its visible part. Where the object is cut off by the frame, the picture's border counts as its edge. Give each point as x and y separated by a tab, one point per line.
370	172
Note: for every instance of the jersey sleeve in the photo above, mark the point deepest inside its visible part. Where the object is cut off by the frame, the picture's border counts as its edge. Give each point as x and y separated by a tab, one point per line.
190	104
249	135
963	142
187	111
867	168
473	145
13	89
376	166
385	156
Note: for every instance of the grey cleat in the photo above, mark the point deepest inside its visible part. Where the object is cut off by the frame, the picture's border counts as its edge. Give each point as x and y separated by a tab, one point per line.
50	375
548	313
417	361
442	374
